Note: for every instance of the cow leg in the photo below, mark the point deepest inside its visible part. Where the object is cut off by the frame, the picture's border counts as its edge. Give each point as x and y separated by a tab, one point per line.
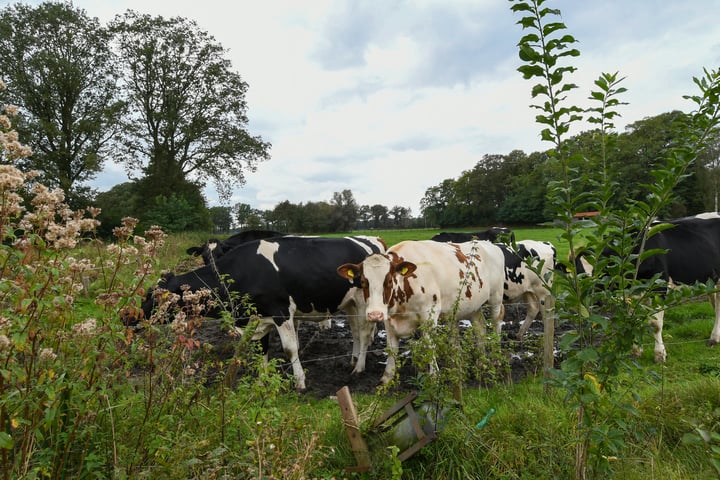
289	341
477	320
394	347
358	353
363	333
715	335
364	339
265	347
533	308
497	315
656	322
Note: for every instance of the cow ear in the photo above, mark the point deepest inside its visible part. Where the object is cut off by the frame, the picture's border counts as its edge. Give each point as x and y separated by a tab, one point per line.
405	268
349	271
194	251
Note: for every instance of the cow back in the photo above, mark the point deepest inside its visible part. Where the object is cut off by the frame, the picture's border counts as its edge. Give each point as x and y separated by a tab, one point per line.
445	275
278	272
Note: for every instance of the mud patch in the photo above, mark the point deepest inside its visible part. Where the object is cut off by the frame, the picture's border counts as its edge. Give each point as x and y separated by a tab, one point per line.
326	354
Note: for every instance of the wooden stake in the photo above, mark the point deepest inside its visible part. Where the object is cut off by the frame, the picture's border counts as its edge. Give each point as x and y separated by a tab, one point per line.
357	442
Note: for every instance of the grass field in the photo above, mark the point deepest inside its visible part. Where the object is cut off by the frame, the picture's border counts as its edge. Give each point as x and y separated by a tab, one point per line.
103	401
392	237
531	434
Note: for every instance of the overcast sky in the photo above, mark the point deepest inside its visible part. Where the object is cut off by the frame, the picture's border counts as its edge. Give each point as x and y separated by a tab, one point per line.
388	98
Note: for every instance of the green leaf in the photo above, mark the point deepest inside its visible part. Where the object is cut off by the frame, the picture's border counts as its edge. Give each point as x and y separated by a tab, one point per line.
567	340
527	22
552	27
6	441
539	89
530	71
529	38
588	355
521	7
528	54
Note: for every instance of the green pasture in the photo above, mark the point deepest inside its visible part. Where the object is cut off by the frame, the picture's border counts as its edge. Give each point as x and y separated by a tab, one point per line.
531	433
200	426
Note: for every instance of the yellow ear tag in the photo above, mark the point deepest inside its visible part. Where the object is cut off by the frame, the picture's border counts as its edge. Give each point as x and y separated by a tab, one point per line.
350	273
404	271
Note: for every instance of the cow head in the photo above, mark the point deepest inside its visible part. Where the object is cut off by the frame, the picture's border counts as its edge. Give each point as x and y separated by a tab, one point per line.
207	251
581	262
383	280
154	296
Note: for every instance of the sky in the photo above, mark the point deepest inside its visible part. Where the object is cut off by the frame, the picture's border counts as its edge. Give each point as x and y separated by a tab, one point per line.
389	98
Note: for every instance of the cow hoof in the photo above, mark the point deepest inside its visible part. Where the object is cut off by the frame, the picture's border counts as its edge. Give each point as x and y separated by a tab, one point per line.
712	343
660	356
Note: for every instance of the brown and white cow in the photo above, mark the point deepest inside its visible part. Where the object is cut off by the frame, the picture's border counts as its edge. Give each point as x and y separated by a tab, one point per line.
416	282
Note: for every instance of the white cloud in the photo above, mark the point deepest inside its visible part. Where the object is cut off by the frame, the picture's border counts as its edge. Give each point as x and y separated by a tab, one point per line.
388	99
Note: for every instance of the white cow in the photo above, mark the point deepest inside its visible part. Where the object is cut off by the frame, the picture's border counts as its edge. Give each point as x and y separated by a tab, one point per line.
421	281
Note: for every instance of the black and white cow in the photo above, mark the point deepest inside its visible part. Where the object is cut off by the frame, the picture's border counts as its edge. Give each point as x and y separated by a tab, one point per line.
492	234
287	278
522	282
693	255
214	248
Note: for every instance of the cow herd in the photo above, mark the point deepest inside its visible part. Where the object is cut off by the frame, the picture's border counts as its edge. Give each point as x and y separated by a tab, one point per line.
413	283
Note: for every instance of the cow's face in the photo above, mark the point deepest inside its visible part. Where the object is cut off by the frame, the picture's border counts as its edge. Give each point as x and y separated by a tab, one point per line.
383	282
154	296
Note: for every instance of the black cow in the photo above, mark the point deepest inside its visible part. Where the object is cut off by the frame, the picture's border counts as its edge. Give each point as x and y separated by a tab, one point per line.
287	278
491	234
693	255
214	248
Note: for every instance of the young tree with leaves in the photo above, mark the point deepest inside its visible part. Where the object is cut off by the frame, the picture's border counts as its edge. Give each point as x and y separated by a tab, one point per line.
608	309
59	70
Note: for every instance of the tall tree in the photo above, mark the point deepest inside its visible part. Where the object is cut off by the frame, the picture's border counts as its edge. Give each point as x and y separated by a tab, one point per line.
187	121
364	216
318	217
345	213
222	218
435	205
401	216
242	212
285	216
60	71
379	215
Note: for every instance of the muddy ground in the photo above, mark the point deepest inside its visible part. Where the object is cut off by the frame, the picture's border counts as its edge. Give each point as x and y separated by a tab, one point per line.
325	355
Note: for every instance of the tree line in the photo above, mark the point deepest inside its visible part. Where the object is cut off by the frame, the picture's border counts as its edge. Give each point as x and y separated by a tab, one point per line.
160	96
512	189
341	214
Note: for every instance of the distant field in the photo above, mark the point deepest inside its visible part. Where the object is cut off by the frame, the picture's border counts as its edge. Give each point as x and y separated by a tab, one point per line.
392	237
